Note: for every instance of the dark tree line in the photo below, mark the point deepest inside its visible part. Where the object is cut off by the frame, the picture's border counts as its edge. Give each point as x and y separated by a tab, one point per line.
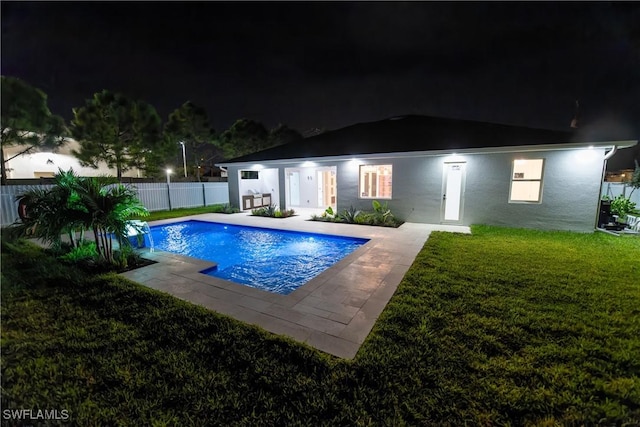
127	133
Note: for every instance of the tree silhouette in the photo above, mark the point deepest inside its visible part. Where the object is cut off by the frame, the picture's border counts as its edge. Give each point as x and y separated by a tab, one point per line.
190	124
26	121
248	136
122	132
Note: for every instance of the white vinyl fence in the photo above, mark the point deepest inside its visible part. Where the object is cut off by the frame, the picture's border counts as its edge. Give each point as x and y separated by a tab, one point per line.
614	189
154	196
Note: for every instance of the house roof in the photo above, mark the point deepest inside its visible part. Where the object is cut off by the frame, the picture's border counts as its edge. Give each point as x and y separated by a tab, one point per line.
412	134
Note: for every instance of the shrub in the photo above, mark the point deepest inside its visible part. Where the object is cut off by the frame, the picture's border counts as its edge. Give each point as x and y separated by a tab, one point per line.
273	212
380	216
259	212
228	209
329	213
225	208
350	215
622	206
85	253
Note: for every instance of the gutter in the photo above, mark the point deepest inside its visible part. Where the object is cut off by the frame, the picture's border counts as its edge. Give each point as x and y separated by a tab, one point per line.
611	153
437	153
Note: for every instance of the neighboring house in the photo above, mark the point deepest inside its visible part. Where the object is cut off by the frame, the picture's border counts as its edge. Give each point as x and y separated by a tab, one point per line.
623	175
39	164
435	170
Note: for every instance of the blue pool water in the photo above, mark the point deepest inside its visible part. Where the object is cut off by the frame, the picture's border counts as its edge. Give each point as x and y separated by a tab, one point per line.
273	260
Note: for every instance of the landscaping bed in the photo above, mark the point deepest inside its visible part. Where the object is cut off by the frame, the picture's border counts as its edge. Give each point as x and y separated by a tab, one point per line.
272	211
380	216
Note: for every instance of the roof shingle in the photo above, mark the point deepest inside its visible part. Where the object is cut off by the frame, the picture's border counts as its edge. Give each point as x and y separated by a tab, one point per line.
410	133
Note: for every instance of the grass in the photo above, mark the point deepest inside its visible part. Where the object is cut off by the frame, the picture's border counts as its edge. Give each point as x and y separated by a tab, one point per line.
177	213
502	327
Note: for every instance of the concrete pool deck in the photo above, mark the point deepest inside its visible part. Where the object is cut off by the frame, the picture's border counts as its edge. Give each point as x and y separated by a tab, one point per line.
334	312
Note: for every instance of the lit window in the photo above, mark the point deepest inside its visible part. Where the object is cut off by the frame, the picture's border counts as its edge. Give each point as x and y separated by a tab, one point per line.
375	181
526	181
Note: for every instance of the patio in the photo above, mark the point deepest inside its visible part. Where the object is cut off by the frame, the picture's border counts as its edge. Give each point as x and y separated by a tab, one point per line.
334	312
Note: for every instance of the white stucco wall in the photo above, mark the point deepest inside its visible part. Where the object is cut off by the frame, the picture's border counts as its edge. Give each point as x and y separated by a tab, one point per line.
267	182
570	188
37	164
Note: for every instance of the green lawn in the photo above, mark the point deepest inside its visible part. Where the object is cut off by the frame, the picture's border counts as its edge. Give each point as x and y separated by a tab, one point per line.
177	213
502	327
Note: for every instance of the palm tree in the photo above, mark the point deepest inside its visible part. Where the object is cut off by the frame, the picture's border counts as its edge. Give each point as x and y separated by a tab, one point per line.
110	206
53	212
76	204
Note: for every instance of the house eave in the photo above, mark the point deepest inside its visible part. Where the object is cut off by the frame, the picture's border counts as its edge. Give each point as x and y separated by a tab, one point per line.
435	153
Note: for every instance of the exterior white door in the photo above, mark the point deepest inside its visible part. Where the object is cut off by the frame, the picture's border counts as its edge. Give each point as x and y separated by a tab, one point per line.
294	188
327	188
453	192
320	177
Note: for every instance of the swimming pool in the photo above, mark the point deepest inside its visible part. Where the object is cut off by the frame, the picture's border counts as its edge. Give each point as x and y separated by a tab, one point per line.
278	261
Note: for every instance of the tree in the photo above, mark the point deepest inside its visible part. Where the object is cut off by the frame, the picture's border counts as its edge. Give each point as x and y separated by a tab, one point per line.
78	204
50	213
110	206
282	134
122	132
190	124
26	121
635	179
243	137
247	136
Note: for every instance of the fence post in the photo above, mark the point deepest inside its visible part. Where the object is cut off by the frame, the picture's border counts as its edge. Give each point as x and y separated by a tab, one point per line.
169	194
204	196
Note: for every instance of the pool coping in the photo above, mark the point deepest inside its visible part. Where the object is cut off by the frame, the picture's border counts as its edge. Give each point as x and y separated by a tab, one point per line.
333	312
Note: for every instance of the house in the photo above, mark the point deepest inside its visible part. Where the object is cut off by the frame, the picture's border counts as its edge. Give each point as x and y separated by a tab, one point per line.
45	163
436	170
623	175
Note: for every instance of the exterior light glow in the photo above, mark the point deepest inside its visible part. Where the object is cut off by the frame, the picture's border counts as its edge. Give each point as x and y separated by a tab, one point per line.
453	157
585	155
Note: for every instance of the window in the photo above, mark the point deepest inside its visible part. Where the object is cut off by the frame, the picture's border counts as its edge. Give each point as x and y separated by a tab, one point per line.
375	181
248	174
526	181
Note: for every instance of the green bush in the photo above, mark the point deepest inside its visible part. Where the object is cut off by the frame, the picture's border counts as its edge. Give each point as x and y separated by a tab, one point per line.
272	211
380	216
86	252
622	206
228	209
350	215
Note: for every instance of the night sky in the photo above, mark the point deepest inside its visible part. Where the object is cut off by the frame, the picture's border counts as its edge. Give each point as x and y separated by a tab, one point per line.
331	64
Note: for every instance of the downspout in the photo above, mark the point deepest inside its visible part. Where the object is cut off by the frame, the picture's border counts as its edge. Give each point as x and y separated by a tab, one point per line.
610	153
607	156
